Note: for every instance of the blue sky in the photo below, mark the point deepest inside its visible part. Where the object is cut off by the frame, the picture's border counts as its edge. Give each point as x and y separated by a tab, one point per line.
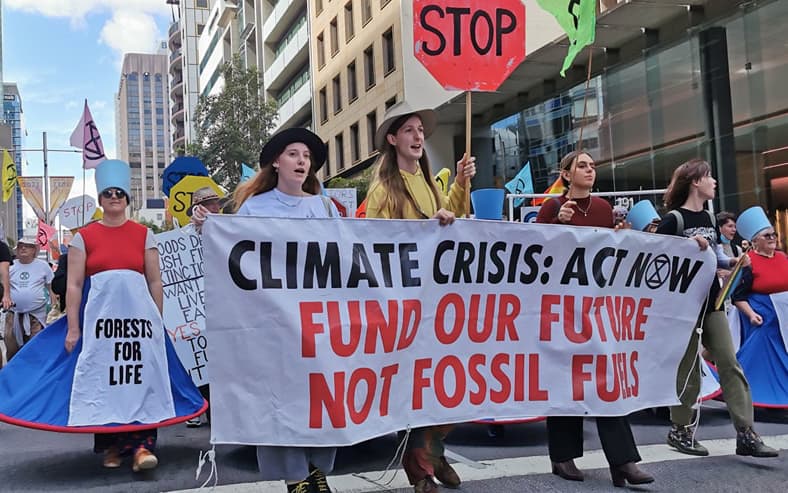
60	52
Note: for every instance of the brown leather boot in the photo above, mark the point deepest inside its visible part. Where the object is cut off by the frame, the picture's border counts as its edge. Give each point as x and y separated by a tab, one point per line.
446	474
568	470
629	473
426	485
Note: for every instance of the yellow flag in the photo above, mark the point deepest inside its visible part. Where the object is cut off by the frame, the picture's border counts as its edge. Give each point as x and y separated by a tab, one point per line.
442	179
9	175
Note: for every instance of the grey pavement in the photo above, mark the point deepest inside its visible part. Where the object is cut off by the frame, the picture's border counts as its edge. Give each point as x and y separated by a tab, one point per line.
36	461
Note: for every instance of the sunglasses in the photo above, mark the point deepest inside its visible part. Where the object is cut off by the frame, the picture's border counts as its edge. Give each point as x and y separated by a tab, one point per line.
770	236
113	192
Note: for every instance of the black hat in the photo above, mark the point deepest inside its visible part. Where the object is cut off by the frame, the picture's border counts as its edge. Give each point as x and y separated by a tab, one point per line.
277	143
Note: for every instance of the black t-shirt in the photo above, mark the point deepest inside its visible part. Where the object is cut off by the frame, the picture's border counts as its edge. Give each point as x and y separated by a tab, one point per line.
695	223
5	253
5	256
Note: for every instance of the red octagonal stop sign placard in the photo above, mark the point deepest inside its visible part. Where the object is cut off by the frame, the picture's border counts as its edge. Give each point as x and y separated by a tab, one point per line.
469	45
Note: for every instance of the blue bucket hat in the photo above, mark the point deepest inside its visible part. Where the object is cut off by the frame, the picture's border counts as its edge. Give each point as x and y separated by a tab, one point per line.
642	214
113	173
751	222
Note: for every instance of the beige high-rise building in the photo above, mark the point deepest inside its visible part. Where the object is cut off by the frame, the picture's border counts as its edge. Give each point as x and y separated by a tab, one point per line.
143	123
357	71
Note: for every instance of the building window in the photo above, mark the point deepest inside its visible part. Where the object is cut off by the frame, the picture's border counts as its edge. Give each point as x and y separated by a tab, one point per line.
369	67
372	127
350	28
336	87
339	148
327	168
334	37
388	52
352	86
355	148
366	11
321	51
391	102
200	29
201	4
318	7
323	106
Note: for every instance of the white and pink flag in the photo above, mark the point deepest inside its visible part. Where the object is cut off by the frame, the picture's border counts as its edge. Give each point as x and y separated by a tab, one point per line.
86	137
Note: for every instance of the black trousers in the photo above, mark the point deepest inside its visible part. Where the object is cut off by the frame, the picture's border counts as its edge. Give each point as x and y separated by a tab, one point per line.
565	439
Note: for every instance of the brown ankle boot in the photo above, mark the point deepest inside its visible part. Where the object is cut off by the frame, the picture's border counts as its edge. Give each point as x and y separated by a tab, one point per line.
446	474
629	473
568	470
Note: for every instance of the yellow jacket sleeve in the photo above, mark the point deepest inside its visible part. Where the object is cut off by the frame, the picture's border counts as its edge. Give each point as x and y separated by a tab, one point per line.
376	203
455	201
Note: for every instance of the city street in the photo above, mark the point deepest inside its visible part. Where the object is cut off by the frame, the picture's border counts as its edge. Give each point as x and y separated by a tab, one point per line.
48	462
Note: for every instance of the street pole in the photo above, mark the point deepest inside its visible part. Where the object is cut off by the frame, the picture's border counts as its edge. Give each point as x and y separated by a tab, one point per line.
46	191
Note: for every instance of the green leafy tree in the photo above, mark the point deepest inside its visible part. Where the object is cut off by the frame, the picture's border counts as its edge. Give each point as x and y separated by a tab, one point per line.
232	126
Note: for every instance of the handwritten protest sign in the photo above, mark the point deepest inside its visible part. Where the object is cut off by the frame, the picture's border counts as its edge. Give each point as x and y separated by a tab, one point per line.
337	331
181	262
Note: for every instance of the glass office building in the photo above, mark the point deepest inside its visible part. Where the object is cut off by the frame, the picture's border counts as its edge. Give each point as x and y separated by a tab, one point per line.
719	93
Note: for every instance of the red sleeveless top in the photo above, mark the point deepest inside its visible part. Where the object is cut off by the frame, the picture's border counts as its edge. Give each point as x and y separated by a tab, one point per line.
769	275
109	248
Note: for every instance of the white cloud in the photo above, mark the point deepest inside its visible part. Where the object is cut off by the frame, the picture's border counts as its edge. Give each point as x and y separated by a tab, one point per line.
130	32
131	27
78	9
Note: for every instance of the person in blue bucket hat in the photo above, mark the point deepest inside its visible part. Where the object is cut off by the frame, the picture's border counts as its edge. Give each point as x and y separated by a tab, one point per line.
761	300
691	186
108	367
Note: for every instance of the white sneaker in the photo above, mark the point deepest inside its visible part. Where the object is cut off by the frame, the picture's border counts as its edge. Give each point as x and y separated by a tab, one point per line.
194	422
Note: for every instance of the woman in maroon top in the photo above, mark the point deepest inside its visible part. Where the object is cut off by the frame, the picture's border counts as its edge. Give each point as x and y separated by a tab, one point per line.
565	433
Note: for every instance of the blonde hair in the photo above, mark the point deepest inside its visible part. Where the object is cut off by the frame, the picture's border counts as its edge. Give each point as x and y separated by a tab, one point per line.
266	180
388	177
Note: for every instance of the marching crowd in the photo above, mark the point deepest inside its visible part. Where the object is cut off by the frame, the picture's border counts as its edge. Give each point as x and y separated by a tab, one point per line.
286	186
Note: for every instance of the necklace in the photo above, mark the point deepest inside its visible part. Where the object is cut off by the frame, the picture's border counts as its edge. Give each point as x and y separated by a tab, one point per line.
279	196
580	209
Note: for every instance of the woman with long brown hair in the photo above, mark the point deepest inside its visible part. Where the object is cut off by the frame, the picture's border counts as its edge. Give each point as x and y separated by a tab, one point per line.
577	207
404	189
691	186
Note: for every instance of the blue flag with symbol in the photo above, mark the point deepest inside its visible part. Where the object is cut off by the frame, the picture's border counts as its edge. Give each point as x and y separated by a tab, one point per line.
246	172
522	183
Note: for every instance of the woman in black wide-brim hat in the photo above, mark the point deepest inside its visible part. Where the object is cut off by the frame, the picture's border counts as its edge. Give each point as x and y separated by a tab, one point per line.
286	186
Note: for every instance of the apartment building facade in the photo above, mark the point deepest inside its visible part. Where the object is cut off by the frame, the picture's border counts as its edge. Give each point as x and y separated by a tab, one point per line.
190	18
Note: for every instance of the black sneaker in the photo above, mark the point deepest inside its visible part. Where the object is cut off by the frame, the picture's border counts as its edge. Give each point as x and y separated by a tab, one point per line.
749	443
318	482
300	487
682	439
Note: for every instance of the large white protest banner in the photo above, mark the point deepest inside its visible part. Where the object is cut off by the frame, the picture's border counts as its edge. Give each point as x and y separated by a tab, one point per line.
181	263
331	332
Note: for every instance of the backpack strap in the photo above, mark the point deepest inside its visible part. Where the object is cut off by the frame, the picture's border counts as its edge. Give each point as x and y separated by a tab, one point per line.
679	221
327	204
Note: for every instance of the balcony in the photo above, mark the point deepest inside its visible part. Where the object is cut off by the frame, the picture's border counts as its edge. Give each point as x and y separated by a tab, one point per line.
177	113
175	34
227	11
282	15
175	58
294	55
296	107
176	87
